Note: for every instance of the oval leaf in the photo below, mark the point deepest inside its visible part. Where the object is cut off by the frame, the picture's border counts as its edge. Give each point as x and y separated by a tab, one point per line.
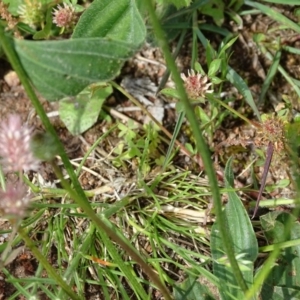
117	19
242	236
80	113
64	68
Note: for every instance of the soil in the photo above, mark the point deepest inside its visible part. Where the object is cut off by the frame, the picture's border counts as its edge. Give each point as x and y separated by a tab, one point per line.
247	61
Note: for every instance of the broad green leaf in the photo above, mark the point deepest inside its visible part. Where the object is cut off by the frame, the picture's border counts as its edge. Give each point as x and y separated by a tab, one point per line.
107	34
240	226
115	19
191	289
221	271
64	68
80	113
242	236
284	279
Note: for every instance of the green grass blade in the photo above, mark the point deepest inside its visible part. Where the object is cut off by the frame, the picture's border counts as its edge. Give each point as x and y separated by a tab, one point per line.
174	136
20	289
126	269
201	145
269	78
285	74
286	2
233	77
273	14
291	50
166	74
86	242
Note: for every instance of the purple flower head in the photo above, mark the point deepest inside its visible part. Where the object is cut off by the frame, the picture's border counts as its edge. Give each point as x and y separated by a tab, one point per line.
15	150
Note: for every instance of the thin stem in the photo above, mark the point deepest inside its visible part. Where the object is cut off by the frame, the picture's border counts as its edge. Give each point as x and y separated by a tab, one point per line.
201	146
267	164
41	258
79	196
14	60
107	231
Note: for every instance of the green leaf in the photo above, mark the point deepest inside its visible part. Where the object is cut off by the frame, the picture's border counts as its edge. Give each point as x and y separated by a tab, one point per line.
214	67
233	77
286	2
45	33
191	289
169	92
242	236
279	293
275	15
177	3
284	279
228	42
270	76
116	19
107	34
80	113
215	9
190	148
64	68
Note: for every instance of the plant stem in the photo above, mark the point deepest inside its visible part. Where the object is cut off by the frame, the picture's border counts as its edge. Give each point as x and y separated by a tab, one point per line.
104	226
201	146
270	151
41	258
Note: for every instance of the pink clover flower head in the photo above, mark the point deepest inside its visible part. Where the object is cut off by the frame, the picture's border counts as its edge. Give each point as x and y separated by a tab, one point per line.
15	148
14	200
64	16
196	85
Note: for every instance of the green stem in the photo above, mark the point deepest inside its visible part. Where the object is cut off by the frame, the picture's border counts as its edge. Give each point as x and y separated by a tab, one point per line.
201	146
230	109
107	232
41	258
103	226
9	50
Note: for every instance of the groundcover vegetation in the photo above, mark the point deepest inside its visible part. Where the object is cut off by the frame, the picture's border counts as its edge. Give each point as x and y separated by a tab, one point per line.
204	207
